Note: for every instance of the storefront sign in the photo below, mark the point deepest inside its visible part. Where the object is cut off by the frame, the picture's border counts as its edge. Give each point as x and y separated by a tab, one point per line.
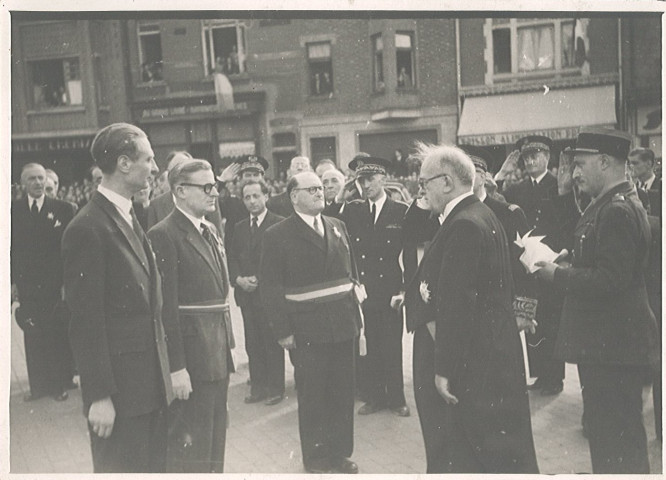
51	144
236	149
182	110
568	133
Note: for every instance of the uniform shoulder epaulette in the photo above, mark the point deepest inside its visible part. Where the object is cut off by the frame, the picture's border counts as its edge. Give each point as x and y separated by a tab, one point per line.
618	197
356	202
513	207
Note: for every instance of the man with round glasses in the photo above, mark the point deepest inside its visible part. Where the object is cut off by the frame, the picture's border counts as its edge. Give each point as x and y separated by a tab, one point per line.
307	278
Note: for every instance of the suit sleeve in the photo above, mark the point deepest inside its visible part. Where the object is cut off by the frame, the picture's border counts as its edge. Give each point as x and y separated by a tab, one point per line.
457	297
84	279
272	285
615	259
233	255
151	216
167	262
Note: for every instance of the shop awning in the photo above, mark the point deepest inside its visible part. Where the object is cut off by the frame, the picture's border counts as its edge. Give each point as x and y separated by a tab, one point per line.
557	114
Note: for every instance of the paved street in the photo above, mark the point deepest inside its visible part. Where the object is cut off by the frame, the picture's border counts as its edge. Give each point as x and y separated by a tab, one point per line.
51	437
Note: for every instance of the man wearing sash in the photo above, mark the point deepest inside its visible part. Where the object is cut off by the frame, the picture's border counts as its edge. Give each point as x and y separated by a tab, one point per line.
308	279
196	319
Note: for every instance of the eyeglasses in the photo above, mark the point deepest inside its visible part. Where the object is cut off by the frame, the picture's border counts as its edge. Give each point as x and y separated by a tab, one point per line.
207	188
424	181
312	190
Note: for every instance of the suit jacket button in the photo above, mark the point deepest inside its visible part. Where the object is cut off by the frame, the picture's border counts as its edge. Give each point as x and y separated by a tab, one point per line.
381	276
362	256
380	259
362	273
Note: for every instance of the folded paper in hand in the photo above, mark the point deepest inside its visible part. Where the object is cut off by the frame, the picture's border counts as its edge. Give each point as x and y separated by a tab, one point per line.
535	251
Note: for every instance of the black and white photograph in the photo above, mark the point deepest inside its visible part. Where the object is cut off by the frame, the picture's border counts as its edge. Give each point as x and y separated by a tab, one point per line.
361	240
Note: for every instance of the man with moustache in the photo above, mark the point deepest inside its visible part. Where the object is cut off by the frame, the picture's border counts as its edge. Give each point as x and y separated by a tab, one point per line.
113	289
307	277
281	204
607	327
333	181
38	222
196	319
469	380
265	355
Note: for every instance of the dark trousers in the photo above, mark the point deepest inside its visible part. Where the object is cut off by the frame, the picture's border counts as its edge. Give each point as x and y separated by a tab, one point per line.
48	354
447	447
136	445
541	345
383	332
613	403
325	399
198	429
265	355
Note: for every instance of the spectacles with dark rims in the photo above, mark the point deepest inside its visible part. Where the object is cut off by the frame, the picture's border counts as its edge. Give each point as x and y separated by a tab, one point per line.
424	181
312	190
207	188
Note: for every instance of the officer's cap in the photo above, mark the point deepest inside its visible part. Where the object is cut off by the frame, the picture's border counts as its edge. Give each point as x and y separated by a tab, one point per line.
367	165
253	163
603	140
480	157
534	143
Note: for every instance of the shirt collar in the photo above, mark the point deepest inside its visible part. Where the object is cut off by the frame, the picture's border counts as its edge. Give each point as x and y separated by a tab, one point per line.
124	205
309	219
195	221
40	201
648	183
540	177
260	217
483	195
380	203
451	205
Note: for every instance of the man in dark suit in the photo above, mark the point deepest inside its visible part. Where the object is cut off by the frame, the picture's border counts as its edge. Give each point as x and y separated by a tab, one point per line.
196	320
469	379
113	289
38	223
608	328
307	279
375	227
537	196
265	355
281	204
333	181
163	205
642	163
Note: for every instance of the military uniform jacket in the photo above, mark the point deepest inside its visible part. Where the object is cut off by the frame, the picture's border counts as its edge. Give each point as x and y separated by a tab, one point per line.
114	292
377	248
536	202
606	318
295	256
244	253
197	339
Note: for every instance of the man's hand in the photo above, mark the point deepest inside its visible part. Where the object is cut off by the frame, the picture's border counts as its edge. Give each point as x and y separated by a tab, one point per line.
287	343
247	284
15	294
546	271
180	384
526	324
442	386
101	417
397	301
229	173
509	166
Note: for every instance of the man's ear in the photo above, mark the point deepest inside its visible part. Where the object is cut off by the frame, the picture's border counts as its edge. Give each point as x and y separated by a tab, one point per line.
124	163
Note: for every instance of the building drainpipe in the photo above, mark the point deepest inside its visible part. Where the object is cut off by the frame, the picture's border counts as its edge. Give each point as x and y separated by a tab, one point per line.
458	75
623	110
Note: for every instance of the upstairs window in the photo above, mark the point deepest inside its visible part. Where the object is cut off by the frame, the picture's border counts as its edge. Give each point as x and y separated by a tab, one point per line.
150	53
56	83
320	65
378	63
224	47
404	59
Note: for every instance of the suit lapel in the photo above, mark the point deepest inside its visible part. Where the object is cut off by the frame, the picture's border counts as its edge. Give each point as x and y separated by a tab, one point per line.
308	233
133	241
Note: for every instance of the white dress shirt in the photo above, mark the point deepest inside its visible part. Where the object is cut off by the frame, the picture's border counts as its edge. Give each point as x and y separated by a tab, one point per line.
380	204
122	204
40	202
451	205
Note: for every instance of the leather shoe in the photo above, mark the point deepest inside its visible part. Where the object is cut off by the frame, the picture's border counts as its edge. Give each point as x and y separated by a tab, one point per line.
369	408
402	411
552	389
318	465
254	398
537	385
61	397
344	465
274	400
29	397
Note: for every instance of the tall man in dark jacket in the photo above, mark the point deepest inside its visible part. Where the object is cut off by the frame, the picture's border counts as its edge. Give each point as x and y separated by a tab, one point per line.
375	227
196	319
38	223
113	289
307	279
265	355
608	328
469	379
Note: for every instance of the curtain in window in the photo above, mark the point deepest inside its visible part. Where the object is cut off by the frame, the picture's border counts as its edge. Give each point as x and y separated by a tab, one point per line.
535	48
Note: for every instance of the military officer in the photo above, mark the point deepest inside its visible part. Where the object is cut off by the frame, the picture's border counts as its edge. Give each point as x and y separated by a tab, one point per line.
607	327
375	227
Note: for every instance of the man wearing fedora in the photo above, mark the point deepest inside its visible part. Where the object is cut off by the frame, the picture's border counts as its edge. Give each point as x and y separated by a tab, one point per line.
607	326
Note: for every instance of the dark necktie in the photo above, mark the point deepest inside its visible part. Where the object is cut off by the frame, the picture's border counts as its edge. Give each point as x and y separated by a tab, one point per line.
317	227
642	186
208	236
34	210
136	226
373	213
255	226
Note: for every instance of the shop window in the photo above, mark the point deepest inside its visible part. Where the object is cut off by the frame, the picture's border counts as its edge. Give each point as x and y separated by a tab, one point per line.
320	66
224	47
56	83
536	45
378	63
321	148
150	53
404	59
